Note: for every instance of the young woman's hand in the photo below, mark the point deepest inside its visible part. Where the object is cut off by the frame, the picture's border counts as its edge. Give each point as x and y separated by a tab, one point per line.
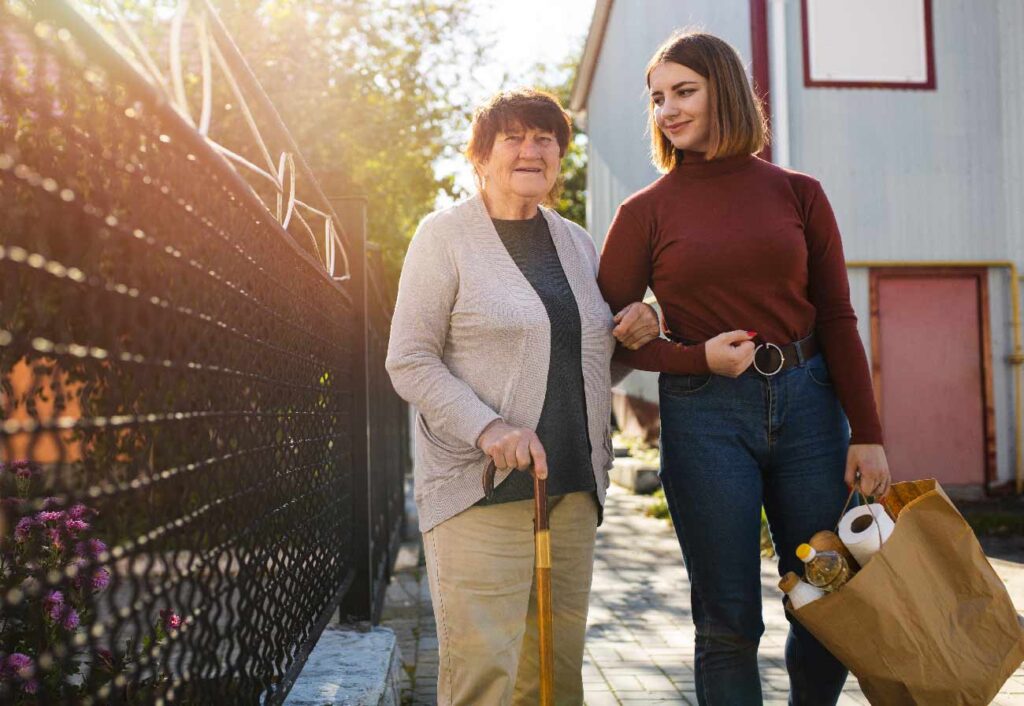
636	325
869	460
513	447
730	353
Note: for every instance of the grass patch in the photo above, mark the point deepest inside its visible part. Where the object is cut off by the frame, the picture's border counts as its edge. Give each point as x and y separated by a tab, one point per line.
638	448
659	508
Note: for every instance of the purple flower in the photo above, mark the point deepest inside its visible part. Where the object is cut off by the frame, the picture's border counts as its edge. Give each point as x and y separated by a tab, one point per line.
30	687
97	580
79	512
22	469
53	604
55	539
100	580
172	621
51	502
19	665
23	528
90	548
51	516
73	527
59	612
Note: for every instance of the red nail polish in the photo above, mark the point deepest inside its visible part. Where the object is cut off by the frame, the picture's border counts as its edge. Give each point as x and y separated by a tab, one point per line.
752	334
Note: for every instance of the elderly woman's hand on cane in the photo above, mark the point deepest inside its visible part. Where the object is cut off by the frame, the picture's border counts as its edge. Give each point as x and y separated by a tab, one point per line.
513	447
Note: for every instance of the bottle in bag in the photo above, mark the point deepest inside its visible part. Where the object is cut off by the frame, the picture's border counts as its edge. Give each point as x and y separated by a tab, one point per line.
827	570
829	541
800	592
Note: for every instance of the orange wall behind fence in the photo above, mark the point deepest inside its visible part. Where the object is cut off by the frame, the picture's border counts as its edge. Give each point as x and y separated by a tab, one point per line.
48	447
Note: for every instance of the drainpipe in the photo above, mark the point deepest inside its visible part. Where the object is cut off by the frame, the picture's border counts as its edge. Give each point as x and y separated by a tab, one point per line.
779	94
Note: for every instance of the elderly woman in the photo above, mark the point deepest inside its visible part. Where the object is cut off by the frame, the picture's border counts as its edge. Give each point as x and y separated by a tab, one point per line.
503	343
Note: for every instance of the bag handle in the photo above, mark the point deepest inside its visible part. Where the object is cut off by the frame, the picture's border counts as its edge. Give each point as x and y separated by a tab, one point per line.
849	498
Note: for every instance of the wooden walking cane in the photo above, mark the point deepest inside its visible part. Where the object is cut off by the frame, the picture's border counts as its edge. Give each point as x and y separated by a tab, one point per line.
542	566
545	615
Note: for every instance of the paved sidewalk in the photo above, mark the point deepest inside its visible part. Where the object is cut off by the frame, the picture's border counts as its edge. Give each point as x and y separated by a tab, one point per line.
640	637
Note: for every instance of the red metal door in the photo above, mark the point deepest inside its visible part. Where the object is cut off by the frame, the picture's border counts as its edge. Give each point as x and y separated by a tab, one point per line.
930	359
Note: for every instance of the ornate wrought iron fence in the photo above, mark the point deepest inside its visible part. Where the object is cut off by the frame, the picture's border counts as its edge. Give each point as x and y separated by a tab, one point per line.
203	458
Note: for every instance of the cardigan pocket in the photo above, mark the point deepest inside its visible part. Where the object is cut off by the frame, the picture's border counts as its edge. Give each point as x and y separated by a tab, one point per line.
453	447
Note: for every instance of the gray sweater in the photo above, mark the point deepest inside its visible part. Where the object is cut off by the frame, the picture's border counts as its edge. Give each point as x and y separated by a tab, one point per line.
562	427
471	342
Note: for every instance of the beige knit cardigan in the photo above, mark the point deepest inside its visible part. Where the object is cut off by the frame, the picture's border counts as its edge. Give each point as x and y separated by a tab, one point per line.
471	341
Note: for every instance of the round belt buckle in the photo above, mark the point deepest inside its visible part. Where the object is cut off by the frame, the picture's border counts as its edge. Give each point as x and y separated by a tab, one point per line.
782	359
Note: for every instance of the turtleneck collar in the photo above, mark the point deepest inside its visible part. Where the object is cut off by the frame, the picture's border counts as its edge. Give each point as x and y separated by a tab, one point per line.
694	165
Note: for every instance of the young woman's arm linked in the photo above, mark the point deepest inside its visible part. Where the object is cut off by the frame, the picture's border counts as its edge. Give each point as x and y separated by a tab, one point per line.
625	274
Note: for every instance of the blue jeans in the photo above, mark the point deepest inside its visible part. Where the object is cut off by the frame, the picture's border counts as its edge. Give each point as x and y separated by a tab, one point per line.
729	446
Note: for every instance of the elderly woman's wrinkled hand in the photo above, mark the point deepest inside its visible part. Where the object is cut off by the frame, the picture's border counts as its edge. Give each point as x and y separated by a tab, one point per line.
636	325
513	447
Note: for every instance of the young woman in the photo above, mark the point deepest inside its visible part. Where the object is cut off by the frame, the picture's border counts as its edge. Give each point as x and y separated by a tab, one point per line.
762	366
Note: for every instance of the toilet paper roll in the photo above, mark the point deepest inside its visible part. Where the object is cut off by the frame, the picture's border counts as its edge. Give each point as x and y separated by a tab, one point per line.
864	529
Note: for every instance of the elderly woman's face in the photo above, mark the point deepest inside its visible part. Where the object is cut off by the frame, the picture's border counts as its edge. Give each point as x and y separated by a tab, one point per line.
523	163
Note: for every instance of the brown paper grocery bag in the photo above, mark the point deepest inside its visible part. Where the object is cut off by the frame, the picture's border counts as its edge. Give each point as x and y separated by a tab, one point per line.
927	621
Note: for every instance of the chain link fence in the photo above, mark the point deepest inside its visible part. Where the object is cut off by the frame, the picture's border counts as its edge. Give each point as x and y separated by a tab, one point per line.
203	458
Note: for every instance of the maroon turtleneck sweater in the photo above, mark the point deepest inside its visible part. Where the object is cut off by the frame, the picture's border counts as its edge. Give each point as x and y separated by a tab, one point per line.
739	244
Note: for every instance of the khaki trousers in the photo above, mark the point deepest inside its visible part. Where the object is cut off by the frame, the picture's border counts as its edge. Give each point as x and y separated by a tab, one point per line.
480	564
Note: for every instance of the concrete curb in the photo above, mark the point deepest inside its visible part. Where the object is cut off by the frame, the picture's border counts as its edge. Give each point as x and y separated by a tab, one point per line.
635	476
350	668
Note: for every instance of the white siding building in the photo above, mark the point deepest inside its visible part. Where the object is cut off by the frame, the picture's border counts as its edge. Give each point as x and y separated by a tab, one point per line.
911	113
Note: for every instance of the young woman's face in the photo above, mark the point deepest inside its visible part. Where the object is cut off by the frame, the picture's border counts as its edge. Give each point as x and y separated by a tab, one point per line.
681	105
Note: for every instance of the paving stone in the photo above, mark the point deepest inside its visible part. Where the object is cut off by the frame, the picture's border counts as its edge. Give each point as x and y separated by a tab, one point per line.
657	682
600	698
621	683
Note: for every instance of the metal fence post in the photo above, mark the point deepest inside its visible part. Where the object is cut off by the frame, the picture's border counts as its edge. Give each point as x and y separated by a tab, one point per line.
358	604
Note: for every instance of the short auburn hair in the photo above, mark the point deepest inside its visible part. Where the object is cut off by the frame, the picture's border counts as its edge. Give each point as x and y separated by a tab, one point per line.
522	108
738	125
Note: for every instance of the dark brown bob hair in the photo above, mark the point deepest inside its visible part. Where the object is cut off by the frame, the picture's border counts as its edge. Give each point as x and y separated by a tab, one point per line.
522	108
738	124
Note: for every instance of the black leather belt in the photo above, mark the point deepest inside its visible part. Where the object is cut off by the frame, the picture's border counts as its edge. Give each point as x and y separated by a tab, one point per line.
771	359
